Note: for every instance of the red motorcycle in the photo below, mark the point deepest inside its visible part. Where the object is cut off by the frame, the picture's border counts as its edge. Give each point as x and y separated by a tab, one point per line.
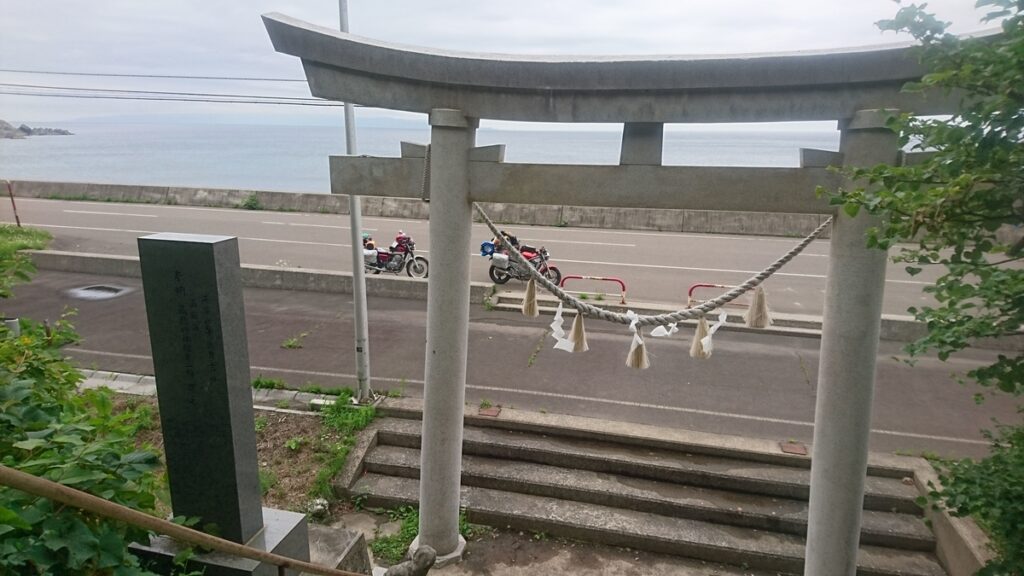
399	256
504	268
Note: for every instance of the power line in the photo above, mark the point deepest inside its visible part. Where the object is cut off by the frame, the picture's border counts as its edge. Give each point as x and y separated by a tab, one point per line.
168	76
323	104
150	92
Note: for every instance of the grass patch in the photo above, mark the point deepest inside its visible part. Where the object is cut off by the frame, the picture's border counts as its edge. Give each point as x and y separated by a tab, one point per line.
267	480
263	383
13	239
346	419
15	267
392	549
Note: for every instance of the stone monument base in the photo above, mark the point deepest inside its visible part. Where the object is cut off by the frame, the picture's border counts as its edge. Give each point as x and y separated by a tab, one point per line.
284	533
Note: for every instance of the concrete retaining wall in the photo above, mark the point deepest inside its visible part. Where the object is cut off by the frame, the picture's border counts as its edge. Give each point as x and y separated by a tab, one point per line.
254	276
694	221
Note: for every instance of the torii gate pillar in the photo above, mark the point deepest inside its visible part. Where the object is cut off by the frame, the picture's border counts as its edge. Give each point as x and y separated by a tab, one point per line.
452	136
846	375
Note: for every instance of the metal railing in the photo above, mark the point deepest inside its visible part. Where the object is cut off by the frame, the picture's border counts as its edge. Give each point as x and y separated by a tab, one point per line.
619	281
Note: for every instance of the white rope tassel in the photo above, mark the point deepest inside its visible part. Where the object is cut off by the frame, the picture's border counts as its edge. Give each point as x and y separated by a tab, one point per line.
637	357
705	342
697	348
578	336
561	342
530	300
758	315
664	331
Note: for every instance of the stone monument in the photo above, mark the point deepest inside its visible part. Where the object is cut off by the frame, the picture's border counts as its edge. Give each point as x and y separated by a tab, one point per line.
193	293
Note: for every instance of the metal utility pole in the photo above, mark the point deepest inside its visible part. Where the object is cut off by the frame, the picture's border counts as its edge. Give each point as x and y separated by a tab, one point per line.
356	225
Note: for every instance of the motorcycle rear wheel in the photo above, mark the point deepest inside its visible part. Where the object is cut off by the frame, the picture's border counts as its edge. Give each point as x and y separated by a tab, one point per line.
418	267
498	276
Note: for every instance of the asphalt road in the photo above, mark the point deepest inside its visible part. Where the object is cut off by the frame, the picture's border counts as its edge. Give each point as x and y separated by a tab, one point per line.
752	386
656	266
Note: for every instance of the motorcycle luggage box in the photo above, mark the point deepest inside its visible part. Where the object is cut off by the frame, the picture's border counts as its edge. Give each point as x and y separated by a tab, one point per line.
499	261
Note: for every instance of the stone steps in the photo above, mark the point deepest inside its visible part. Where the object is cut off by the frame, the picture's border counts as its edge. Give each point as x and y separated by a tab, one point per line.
727	500
783	515
881	493
642	530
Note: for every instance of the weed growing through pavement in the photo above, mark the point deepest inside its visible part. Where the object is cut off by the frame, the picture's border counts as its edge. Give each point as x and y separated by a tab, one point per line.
295	341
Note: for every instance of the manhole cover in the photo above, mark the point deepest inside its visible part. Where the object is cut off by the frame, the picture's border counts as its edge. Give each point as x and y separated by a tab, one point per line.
98	292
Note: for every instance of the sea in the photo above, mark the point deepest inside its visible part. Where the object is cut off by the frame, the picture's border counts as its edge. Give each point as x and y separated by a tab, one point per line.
295	158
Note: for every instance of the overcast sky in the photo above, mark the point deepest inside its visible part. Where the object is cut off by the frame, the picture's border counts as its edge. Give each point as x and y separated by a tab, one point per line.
226	37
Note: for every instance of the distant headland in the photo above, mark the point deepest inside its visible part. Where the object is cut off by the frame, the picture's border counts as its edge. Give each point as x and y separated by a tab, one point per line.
7	130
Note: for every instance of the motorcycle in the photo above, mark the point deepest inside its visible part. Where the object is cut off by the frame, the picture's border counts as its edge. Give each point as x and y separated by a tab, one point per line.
504	268
399	256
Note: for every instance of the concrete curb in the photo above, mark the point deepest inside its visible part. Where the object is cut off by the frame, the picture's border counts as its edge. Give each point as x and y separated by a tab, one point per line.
270	277
690	221
263	399
894	327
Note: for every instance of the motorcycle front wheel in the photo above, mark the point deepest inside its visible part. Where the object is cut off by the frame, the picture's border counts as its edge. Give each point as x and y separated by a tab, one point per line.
498	276
553	274
418	267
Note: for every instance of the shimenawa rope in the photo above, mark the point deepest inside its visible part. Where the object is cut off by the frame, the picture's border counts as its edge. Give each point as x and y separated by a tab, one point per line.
661	319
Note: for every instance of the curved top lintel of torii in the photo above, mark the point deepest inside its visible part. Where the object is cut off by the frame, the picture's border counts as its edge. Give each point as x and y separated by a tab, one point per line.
797	86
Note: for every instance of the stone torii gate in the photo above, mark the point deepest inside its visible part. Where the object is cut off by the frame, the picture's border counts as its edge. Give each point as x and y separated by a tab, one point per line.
457	89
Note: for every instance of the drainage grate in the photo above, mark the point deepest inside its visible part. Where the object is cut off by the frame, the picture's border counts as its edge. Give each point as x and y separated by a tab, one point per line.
98	292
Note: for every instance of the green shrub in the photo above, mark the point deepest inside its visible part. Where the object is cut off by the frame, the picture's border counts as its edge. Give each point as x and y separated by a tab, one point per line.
49	429
15	267
252	202
992	492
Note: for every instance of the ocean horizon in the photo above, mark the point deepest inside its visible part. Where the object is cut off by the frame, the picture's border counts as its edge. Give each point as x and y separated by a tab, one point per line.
295	158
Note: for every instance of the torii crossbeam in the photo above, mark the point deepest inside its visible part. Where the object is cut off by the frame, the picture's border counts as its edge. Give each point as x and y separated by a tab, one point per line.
854	87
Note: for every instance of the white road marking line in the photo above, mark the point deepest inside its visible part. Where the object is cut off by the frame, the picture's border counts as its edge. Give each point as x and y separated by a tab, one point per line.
585	399
316	226
110	213
708	236
535	241
555	260
332	374
720	270
294	242
713	413
94	229
151	232
135	204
